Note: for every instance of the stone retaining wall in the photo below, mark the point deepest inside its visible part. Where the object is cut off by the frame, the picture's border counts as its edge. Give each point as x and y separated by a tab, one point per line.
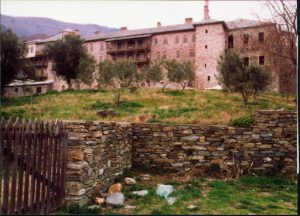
270	144
98	152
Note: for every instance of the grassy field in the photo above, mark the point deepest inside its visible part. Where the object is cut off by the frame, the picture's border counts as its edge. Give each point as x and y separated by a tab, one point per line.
249	195
173	106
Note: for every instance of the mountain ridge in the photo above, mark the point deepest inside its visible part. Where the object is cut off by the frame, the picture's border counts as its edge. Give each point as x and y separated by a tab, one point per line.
29	26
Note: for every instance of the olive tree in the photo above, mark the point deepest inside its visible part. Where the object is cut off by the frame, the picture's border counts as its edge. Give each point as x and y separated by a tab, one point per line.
12	52
71	58
235	77
119	76
153	73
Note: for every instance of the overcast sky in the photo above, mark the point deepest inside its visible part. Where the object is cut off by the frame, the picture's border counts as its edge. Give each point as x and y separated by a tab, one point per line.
133	14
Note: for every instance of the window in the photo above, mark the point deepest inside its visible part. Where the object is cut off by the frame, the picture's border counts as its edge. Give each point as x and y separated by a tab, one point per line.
208	78
192	52
204	65
206	31
261	37
261	60
101	46
31	49
16	89
177	39
185	39
230	41
155	41
164	54
38	90
177	54
165	41
193	38
205	46
246	39
91	47
246	61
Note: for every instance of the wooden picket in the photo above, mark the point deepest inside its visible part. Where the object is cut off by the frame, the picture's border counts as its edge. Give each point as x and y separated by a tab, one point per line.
33	157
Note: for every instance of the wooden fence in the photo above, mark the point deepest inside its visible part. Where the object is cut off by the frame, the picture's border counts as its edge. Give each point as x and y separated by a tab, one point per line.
32	165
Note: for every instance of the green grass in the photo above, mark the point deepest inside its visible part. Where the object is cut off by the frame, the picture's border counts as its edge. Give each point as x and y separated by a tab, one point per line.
249	195
191	106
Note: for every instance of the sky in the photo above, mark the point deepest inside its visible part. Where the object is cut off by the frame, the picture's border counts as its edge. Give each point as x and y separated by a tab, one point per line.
133	14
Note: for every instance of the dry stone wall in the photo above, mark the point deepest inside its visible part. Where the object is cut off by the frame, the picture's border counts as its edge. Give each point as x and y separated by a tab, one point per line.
270	144
98	152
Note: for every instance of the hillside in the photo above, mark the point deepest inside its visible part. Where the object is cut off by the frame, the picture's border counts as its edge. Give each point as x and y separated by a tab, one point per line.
191	106
29	26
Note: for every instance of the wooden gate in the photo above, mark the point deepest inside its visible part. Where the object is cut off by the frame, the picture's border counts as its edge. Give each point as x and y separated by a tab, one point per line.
32	165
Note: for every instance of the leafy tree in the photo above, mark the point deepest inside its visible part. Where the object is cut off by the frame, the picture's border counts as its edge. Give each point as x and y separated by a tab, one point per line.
86	69
70	57
259	77
153	73
229	66
12	52
188	73
245	80
180	73
119	76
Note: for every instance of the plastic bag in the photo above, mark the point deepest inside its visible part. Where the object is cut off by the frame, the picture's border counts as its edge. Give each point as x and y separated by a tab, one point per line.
164	190
171	200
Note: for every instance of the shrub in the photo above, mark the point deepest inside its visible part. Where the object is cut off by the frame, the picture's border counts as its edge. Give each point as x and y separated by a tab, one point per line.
243	121
174	93
101	105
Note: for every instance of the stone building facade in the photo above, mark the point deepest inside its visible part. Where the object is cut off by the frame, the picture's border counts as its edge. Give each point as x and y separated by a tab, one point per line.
199	42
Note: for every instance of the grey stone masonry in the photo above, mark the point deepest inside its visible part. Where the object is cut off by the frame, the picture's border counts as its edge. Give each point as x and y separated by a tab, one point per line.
98	151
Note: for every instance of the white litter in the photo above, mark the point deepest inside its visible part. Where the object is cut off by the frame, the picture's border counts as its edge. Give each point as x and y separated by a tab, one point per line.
164	190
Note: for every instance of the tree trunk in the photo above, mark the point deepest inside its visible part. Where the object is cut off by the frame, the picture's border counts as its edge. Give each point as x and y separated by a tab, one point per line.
164	86
255	97
245	98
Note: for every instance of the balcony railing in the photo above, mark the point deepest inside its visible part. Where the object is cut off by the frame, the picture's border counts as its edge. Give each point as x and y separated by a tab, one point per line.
128	47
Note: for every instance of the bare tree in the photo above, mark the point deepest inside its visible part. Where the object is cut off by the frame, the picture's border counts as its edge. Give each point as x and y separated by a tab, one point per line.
281	44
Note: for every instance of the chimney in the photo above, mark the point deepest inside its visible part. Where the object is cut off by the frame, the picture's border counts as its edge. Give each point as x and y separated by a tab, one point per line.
123	28
206	11
189	20
158	24
97	32
77	32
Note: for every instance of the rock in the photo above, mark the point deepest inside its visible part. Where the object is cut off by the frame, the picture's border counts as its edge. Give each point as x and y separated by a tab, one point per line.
140	193
130	207
115	199
105	113
145	177
191	138
129	181
75	154
94	207
191	207
100	200
115	188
